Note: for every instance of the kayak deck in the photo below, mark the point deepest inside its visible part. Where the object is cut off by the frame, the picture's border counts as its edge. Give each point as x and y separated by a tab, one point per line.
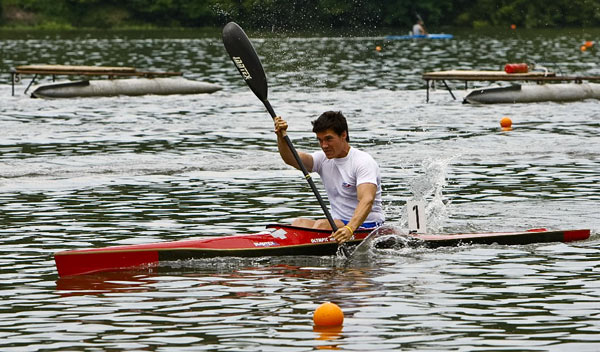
277	240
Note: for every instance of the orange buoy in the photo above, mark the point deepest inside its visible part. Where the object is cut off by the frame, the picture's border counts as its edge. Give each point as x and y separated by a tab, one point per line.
377	48
328	314
589	44
583	48
513	26
506	122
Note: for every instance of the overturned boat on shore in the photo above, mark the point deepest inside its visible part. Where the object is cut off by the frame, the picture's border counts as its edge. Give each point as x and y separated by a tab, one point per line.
532	93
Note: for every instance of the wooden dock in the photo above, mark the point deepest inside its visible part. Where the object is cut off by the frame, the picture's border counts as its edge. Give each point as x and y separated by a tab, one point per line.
67	70
492	76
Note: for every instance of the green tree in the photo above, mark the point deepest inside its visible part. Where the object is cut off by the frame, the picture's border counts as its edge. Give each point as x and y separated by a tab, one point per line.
313	14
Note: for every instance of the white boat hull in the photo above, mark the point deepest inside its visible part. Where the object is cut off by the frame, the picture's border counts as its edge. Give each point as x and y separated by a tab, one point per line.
130	87
532	93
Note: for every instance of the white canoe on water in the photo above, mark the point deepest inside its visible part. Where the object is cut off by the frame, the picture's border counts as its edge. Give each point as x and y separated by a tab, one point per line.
131	87
532	93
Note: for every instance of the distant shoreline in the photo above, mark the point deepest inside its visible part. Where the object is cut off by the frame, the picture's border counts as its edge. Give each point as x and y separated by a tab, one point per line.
295	16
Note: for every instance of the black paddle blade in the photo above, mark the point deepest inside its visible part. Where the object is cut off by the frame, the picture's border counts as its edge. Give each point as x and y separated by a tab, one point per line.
246	60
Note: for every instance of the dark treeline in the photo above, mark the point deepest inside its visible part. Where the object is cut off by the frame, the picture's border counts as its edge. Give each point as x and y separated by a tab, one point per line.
299	14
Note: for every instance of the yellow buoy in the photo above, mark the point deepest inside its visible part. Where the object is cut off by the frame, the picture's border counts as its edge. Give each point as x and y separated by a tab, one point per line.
328	314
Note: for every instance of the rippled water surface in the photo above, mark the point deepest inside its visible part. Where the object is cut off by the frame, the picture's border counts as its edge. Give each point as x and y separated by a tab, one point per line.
85	173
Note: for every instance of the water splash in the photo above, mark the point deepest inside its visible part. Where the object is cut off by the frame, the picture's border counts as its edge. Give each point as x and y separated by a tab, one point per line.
385	240
428	187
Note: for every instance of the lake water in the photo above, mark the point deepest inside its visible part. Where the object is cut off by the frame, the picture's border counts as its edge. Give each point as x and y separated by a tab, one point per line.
85	173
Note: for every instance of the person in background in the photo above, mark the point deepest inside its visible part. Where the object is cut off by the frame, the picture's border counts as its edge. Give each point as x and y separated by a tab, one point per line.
351	177
419	28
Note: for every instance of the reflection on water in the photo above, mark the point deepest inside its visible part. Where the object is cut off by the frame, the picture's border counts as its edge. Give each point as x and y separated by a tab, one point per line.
97	172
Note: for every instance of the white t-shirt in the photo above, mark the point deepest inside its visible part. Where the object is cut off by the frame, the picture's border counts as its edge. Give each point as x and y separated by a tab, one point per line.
341	176
417	29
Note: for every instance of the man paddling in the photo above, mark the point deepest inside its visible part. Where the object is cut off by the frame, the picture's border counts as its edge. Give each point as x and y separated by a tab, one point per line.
419	28
350	176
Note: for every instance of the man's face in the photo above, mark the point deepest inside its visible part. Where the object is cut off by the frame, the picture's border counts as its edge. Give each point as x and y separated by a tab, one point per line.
333	145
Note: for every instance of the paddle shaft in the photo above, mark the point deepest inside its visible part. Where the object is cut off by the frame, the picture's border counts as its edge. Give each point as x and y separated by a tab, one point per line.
419	18
245	59
309	179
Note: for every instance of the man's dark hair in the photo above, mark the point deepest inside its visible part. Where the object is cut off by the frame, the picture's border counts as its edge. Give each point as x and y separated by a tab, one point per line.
331	120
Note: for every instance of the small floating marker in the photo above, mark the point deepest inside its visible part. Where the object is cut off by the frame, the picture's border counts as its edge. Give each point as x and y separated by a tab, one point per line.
513	26
589	44
378	48
328	314
506	123
583	48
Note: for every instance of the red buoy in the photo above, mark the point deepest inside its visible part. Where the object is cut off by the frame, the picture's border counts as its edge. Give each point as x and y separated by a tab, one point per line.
516	68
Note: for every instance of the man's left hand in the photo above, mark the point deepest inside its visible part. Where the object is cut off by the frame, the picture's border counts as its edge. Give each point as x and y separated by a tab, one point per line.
342	235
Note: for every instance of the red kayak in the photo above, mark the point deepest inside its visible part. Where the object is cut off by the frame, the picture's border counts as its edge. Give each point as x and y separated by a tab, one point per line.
276	240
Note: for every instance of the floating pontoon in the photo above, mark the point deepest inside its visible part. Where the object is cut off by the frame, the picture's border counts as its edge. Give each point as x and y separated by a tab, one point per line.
532	93
118	82
545	91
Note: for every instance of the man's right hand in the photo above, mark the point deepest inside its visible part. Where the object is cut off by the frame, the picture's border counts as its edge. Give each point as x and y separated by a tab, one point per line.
280	126
284	148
